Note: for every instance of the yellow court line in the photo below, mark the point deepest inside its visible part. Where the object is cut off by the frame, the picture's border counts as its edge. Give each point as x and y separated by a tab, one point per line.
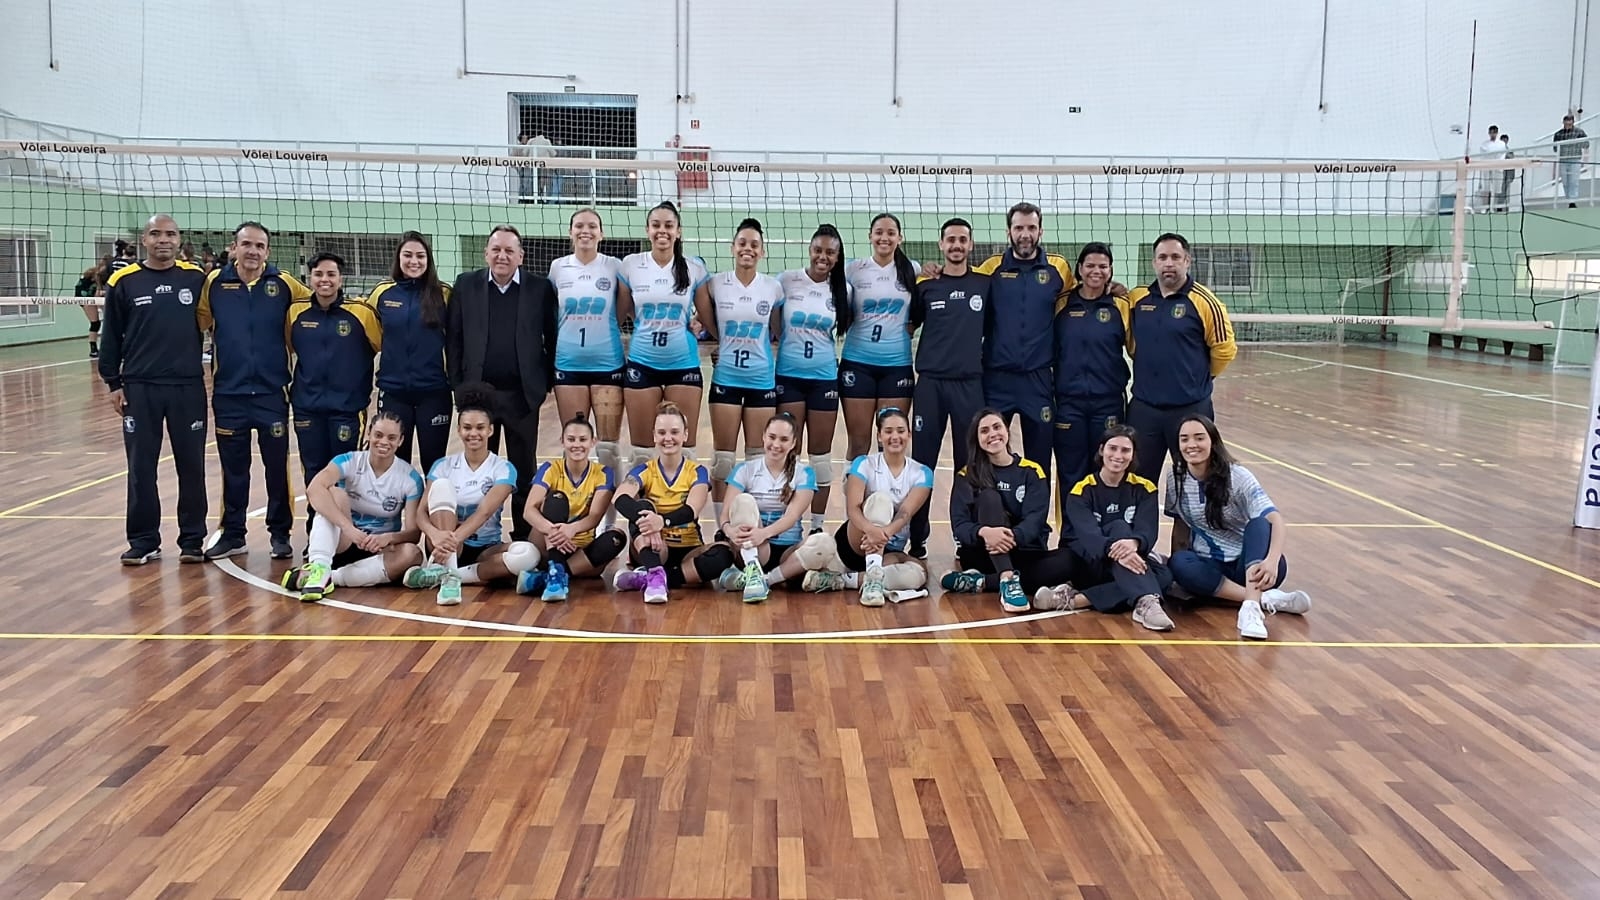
85	486
771	639
73	518
1466	535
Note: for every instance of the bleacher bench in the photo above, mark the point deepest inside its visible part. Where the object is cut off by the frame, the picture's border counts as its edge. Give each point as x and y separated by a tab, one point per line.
1534	349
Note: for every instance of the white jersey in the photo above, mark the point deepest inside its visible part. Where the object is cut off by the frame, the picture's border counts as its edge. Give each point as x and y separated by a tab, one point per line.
744	333
806	347
588	338
661	338
377	499
471	486
878	335
875	472
753	478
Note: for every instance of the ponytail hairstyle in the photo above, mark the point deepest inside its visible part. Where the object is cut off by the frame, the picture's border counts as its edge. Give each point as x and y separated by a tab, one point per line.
476	396
754	224
579	419
843	315
382	415
1218	484
429	290
793	458
980	469
668	408
904	271
680	263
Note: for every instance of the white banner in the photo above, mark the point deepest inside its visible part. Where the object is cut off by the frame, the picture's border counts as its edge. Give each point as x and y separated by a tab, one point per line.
1587	514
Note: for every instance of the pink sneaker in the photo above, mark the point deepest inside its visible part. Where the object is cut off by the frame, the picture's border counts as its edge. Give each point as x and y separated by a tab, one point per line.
655	587
629	580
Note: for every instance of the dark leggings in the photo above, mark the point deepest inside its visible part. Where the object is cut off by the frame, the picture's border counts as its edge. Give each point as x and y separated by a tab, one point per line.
600	551
1112	587
1036	567
425	413
1202	576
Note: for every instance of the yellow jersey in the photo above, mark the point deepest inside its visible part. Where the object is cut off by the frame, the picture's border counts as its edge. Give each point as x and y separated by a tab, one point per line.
553	476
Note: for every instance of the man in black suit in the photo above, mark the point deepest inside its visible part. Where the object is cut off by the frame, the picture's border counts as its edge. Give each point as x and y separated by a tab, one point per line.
502	331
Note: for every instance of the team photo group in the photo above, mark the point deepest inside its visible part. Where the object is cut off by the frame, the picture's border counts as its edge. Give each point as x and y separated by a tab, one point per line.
1104	383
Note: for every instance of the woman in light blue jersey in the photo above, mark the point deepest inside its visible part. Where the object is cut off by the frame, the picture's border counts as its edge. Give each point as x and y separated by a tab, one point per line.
875	367
740	309
663	358
816	305
591	303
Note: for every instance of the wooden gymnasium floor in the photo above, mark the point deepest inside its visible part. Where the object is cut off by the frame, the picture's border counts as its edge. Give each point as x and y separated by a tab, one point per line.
1428	731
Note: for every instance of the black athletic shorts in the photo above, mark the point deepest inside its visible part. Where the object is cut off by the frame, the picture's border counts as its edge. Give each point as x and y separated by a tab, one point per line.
637	376
746	397
816	393
612	378
861	381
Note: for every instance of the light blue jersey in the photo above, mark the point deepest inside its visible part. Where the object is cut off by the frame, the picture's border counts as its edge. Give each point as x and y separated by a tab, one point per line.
874	470
877	335
766	488
661	338
472	485
805	346
744	333
376	501
588	338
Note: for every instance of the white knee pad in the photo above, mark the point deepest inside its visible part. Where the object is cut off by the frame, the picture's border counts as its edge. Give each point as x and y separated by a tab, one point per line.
822	467
818	553
520	556
743	511
878	509
904	576
721	464
606	453
441	496
642	455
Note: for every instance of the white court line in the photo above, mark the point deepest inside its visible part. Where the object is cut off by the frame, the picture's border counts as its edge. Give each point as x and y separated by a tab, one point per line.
53	365
1486	391
228	566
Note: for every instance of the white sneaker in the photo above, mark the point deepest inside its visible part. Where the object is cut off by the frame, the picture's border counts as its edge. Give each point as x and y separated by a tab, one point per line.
1296	603
1252	624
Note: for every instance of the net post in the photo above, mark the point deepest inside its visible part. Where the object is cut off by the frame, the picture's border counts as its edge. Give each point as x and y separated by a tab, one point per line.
1458	252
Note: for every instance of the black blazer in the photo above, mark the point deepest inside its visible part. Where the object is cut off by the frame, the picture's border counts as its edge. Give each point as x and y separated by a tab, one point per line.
468	335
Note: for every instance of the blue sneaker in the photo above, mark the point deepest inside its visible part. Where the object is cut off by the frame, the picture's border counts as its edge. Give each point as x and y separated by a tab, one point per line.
967	581
1012	599
731	579
555	584
530	582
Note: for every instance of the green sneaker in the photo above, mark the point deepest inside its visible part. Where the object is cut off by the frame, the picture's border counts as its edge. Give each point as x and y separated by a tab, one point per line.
449	589
316	582
755	583
420	578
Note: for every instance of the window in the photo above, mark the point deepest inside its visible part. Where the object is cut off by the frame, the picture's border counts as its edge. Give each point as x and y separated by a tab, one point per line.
1225	268
581	126
21	275
367	257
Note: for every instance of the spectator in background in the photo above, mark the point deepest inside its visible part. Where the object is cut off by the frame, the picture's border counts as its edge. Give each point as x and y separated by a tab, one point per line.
1506	177
549	179
88	288
1489	180
1571	143
527	178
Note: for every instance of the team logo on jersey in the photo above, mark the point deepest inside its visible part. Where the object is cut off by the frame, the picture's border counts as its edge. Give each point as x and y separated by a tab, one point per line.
391	504
344	329
185	296
1112	420
1113	508
1022	492
345	433
1044	414
830	303
1179	310
976	303
128	424
763	308
1103	316
278	430
271	289
602	284
849	378
1042	276
1127	515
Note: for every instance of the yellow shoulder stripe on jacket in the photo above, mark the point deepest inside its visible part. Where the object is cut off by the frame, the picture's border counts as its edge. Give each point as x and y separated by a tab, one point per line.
1086	481
1026	463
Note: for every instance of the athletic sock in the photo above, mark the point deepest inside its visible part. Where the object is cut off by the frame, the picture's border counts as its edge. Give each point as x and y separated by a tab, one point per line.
469	574
749	555
362	573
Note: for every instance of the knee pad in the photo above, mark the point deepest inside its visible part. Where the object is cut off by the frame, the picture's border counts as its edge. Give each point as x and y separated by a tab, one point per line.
520	556
753	453
743	511
712	563
606	546
721	465
441	496
642	455
822	467
904	576
819	553
94	327
606	453
878	509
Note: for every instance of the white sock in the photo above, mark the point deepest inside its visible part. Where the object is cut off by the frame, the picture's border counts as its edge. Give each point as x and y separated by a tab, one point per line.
716	505
775	577
362	573
874	559
818	520
469	574
451	562
749	555
852	580
324	541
